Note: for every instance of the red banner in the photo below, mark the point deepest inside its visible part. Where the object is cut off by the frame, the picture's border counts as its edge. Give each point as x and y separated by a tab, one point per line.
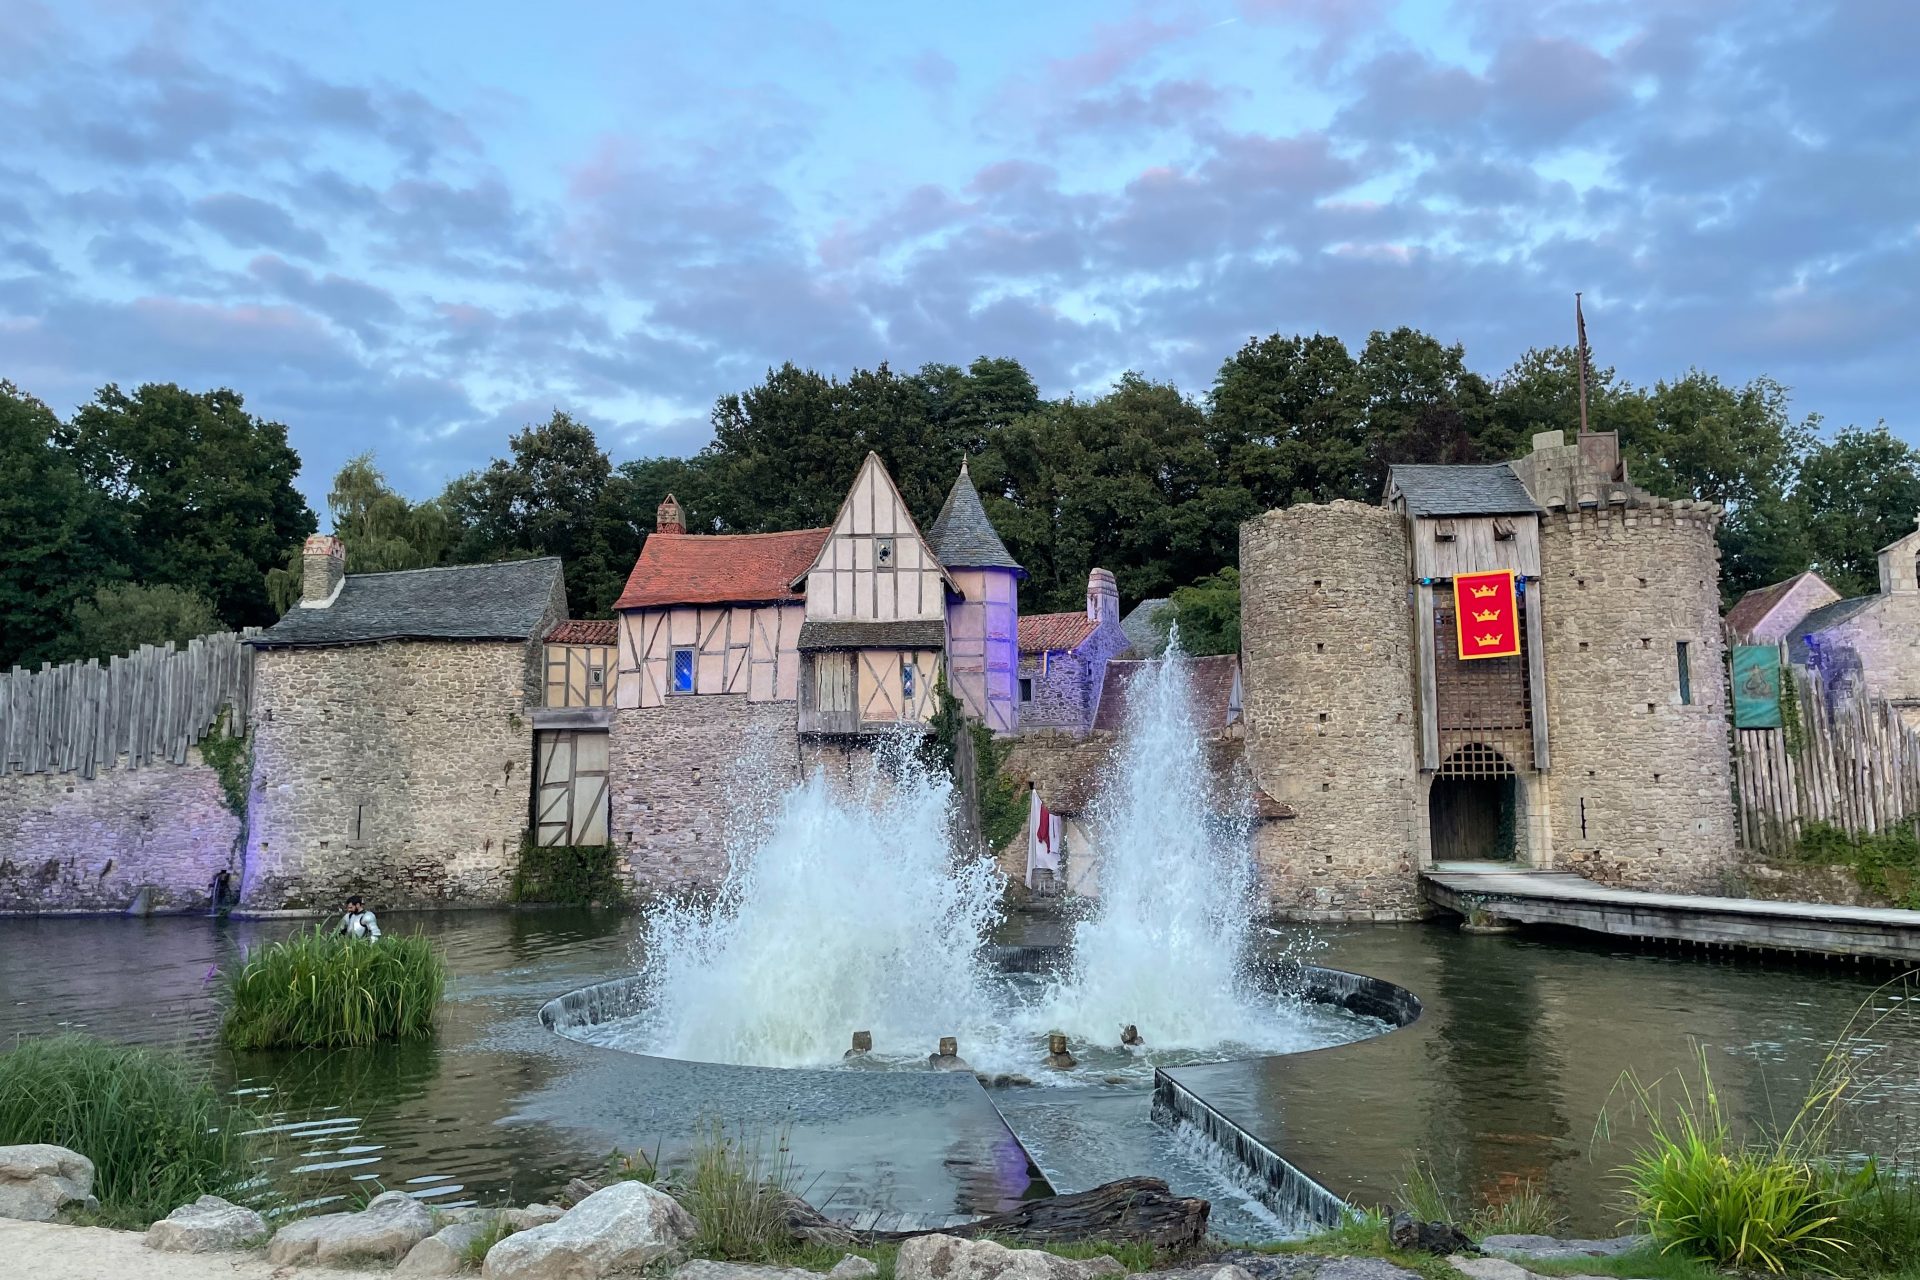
1486	615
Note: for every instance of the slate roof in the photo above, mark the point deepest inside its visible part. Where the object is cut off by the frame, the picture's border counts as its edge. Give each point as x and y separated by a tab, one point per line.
721	568
1142	625
1213	680
1476	489
1827	615
504	601
962	537
1058	632
930	633
584	631
1754	606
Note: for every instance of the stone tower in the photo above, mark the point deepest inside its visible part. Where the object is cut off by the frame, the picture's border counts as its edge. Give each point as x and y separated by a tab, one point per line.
983	622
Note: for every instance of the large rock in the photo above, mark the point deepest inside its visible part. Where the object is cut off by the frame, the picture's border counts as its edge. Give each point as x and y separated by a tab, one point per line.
387	1229
1489	1268
208	1225
619	1228
1547	1248
534	1215
855	1267
939	1257
707	1269
444	1253
38	1180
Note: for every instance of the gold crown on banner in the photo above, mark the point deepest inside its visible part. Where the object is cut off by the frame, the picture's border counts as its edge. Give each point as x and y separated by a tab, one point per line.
1486	642
1487	615
1484	593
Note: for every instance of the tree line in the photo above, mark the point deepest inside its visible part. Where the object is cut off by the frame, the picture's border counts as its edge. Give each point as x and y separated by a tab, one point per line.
161	513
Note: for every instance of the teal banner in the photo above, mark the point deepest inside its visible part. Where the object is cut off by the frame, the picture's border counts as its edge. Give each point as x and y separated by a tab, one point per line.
1756	686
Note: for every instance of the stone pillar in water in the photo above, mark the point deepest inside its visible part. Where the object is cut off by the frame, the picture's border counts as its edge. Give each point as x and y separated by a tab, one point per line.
947	1058
1057	1056
862	1045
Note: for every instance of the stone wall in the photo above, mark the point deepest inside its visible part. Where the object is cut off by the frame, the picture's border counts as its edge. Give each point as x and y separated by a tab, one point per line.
1060	684
683	776
1877	650
1328	688
69	843
400	770
1640	789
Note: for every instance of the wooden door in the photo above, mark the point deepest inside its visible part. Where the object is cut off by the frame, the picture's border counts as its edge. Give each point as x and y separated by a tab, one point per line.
570	796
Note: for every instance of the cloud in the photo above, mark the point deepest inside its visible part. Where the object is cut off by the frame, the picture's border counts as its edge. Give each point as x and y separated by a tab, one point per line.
248	223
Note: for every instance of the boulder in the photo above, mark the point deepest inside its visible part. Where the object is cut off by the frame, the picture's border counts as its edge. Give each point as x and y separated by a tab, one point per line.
707	1269
208	1225
1546	1248
942	1257
38	1180
619	1228
444	1253
854	1267
534	1215
387	1229
1408	1233
1488	1268
1363	1269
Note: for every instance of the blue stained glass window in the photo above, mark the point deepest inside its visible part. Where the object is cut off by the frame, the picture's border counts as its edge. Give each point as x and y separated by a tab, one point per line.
906	681
683	671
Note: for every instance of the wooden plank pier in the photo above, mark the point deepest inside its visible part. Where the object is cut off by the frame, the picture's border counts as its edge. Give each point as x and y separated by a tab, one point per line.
1525	896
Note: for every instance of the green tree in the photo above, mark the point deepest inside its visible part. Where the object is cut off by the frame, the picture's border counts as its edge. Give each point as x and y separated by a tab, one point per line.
202	489
1422	403
382	530
59	535
120	617
1207	613
1287	417
1859	492
1541	392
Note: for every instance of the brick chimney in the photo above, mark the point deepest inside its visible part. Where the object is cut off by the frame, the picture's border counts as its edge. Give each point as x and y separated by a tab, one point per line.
1103	596
323	564
670	518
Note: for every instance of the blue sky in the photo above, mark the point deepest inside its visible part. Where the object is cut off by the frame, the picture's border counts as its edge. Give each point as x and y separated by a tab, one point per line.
414	228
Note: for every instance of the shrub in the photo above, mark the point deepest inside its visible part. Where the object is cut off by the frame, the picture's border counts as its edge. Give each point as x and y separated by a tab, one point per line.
1886	864
737	1187
158	1134
320	990
568	875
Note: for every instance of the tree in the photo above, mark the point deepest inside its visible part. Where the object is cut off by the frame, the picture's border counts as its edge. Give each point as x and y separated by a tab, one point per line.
1859	492
202	489
120	617
1422	403
1287	416
1207	613
381	529
1541	392
58	538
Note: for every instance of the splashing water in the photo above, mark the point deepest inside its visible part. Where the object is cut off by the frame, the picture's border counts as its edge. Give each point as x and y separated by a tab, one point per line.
846	912
1166	947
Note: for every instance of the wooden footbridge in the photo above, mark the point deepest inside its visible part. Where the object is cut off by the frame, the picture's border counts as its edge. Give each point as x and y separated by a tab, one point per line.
1495	893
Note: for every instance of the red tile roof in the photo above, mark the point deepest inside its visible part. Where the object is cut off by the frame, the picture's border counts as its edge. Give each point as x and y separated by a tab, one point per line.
1211	679
1758	603
1054	631
583	631
720	568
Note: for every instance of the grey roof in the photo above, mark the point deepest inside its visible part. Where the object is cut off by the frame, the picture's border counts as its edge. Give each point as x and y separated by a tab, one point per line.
1827	615
1463	489
962	536
504	601
1143	627
930	633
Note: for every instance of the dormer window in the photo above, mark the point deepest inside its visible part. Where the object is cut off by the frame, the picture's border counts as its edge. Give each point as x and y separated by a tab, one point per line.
1443	531
883	551
1503	530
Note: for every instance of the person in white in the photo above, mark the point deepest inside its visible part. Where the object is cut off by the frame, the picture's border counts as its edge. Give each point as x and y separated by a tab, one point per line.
358	922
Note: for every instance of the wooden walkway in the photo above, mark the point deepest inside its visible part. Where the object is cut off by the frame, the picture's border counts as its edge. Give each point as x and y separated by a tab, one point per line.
1523	896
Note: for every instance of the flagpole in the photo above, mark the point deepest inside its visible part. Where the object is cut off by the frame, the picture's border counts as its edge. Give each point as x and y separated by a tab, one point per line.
1580	324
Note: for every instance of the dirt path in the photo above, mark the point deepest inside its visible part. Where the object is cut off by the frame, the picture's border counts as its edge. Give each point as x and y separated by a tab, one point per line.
47	1251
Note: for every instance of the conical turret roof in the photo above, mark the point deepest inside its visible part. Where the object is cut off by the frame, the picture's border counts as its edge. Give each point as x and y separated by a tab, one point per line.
962	536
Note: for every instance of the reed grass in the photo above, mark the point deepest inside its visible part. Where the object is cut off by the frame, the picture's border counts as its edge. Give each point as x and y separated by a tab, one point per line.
320	990
158	1133
737	1186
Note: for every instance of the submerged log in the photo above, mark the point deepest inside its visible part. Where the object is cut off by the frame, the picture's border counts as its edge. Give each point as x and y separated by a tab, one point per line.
1132	1209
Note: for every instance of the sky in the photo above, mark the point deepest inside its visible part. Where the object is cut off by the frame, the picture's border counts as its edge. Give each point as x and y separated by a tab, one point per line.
415	228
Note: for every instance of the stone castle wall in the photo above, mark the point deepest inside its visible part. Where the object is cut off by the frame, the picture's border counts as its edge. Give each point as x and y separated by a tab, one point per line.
682	776
69	843
1328	700
1061	695
400	770
1640	789
1876	651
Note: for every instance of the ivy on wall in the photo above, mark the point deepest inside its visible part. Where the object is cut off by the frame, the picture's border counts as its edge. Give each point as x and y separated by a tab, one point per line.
568	875
1886	864
232	760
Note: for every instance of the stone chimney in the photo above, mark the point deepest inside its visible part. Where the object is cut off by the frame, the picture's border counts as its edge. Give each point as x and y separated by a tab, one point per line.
323	564
670	518
1103	596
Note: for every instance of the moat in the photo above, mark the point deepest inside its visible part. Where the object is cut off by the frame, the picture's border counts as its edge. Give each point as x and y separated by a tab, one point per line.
1501	1082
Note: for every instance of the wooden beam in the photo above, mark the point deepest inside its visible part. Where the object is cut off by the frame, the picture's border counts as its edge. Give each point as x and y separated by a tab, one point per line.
1537	673
1429	704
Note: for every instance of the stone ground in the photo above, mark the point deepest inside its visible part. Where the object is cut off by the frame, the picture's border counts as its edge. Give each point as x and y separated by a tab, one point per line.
52	1251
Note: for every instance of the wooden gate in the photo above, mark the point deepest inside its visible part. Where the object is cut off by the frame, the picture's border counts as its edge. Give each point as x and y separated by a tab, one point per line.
570	798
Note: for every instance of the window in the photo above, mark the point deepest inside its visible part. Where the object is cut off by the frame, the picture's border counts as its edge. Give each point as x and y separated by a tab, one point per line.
907	680
883	550
1026	688
1686	672
683	671
596	677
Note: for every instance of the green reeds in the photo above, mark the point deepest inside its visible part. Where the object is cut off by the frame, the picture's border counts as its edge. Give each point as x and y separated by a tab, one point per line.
737	1187
158	1134
320	990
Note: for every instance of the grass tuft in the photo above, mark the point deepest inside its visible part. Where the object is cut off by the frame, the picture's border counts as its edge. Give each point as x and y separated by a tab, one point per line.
320	990
158	1133
737	1187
